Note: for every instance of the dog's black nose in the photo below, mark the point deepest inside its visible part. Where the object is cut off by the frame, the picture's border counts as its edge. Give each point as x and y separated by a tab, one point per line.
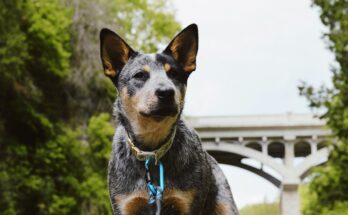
165	94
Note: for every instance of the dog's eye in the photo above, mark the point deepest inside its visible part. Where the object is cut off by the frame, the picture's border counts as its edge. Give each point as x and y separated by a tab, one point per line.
139	75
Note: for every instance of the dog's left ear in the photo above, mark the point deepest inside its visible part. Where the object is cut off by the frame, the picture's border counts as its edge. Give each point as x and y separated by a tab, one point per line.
184	48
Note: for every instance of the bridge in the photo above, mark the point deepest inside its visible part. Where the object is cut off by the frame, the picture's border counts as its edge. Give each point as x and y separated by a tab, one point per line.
285	146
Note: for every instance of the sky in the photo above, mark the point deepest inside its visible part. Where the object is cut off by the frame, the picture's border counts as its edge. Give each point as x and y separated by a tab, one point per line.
252	56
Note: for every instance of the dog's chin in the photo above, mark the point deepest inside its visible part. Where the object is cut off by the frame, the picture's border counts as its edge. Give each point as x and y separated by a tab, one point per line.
160	113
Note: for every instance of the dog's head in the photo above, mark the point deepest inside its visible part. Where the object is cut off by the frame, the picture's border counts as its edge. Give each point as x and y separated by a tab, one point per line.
151	86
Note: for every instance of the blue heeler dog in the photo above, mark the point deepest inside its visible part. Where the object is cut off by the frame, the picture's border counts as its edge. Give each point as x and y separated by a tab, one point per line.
151	91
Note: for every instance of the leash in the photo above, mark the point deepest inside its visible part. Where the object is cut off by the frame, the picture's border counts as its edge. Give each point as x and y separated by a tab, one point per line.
155	192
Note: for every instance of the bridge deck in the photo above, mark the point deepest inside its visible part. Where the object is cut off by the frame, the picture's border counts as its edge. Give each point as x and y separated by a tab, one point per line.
254	131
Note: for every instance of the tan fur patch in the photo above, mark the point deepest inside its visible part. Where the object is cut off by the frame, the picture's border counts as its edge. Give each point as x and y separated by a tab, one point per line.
179	200
125	53
146	68
153	133
222	209
109	71
190	67
132	203
150	131
167	67
173	199
175	48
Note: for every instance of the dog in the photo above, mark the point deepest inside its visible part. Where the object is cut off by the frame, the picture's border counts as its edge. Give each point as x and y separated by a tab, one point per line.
151	90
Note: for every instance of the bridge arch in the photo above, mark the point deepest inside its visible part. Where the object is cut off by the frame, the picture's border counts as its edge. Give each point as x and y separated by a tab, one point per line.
237	162
311	161
246	152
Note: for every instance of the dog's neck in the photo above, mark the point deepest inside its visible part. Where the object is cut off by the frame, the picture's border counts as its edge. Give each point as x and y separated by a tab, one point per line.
147	134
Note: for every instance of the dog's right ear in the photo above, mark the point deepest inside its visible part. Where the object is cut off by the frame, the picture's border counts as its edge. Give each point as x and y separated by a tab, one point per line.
114	52
184	48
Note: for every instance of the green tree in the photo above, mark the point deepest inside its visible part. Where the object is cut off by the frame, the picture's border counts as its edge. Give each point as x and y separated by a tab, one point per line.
308	198
55	139
329	187
34	63
261	209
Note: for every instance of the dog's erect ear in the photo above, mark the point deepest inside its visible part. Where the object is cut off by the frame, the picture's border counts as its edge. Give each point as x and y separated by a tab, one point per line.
184	48
114	52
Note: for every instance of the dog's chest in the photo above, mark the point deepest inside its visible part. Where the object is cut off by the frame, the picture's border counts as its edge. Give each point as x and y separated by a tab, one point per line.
175	202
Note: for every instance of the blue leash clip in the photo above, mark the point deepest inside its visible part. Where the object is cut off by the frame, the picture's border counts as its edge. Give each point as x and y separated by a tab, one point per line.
155	192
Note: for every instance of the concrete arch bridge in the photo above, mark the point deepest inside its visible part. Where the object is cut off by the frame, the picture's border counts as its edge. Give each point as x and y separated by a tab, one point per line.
279	148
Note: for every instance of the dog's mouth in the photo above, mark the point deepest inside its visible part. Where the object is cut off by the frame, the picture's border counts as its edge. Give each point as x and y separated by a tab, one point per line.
160	113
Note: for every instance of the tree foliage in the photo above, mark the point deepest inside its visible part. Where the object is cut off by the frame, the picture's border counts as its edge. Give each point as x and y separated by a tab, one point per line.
308	198
329	186
261	209
55	138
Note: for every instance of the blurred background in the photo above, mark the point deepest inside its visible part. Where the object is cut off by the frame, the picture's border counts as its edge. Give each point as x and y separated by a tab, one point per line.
263	66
